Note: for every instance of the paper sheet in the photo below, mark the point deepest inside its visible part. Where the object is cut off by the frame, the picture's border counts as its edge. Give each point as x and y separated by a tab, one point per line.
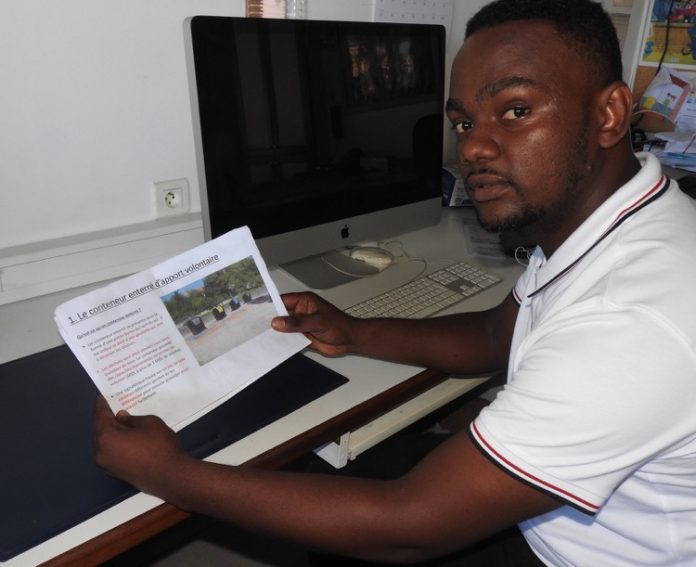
179	339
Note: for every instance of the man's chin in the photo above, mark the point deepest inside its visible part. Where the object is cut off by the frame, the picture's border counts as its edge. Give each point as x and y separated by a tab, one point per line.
499	225
520	223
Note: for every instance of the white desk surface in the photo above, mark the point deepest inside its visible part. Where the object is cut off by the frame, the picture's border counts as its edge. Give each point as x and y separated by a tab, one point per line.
440	245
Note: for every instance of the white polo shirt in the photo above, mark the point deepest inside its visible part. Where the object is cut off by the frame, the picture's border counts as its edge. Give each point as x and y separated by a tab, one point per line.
600	405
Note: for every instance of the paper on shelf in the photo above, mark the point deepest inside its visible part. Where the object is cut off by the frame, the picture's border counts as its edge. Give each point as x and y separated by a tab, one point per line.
179	339
678	142
686	161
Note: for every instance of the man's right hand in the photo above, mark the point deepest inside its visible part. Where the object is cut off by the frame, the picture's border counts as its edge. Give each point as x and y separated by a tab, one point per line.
331	331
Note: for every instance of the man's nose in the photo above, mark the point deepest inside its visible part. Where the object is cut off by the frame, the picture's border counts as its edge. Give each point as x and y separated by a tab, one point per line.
477	146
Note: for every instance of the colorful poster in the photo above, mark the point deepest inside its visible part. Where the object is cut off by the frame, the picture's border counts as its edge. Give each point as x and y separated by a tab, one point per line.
671	34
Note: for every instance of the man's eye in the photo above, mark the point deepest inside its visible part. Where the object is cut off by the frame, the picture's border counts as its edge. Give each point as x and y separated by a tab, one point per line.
516	113
461	126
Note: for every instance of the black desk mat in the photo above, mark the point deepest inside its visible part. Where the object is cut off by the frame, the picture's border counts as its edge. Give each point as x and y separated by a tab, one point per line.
48	479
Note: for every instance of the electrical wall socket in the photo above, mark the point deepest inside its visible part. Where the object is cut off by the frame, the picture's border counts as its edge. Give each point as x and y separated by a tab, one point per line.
171	197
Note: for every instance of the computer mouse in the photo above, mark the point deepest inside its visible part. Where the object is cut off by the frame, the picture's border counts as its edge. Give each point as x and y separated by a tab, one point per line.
372	256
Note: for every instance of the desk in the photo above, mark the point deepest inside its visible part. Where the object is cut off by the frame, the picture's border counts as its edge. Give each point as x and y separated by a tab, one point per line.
374	390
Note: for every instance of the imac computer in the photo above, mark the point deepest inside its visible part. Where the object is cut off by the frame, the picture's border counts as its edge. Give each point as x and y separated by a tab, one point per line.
318	135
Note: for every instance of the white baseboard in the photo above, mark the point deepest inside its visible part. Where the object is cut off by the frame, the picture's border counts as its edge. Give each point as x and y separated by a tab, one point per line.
41	268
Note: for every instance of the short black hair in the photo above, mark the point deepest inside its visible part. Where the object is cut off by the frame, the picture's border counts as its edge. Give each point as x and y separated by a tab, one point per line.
585	23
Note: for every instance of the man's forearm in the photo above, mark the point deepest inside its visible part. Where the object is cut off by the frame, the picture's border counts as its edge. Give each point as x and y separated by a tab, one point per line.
453	344
343	515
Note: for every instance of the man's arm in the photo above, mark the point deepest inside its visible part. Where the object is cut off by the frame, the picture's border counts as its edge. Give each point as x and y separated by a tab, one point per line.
463	343
453	498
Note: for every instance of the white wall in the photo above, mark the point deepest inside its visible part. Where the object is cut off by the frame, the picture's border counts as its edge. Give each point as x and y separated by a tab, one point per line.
95	110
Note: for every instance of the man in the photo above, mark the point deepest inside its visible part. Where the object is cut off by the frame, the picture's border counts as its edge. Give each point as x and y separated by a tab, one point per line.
591	446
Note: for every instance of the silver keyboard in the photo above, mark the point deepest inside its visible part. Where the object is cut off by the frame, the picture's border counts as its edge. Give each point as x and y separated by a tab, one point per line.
427	295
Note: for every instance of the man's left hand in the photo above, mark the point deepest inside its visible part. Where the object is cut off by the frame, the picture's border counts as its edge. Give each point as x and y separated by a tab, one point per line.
140	450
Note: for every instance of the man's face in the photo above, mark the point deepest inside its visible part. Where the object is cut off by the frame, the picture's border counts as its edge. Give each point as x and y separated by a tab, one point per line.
521	107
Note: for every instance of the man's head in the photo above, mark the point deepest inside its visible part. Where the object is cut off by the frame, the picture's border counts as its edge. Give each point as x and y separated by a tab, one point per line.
541	116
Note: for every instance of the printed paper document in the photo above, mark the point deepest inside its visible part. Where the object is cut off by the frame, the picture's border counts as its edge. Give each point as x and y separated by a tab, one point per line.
179	339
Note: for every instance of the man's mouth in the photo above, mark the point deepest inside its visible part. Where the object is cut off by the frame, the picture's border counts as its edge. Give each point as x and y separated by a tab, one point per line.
486	186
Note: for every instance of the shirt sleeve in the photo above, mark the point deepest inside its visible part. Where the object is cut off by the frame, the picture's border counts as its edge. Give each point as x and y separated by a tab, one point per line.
597	392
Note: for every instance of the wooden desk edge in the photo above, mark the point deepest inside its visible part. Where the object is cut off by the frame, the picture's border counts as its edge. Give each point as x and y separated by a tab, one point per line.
145	526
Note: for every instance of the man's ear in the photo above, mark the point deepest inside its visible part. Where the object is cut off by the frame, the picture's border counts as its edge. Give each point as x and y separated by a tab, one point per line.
616	106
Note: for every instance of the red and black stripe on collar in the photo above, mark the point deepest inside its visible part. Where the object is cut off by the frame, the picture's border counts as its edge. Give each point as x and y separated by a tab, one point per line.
654	193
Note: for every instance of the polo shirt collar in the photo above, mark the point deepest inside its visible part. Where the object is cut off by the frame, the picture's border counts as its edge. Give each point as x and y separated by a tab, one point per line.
645	187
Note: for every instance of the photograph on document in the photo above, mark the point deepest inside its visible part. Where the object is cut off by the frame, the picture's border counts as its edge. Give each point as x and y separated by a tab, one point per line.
222	310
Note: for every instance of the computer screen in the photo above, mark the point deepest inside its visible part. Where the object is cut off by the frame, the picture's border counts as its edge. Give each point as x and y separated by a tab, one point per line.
318	135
